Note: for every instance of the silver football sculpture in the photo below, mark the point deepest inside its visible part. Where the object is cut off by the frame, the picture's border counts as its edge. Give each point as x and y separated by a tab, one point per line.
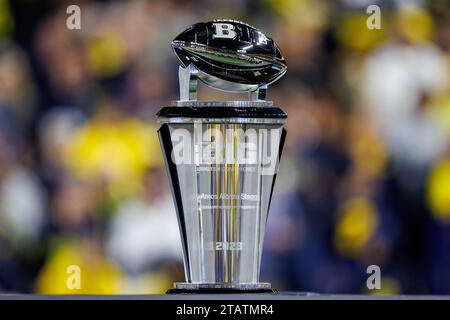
227	55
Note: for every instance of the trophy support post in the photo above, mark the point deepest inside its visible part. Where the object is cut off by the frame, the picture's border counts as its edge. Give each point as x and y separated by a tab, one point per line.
188	79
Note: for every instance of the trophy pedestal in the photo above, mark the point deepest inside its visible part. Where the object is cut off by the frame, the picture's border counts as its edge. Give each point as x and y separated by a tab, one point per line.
199	288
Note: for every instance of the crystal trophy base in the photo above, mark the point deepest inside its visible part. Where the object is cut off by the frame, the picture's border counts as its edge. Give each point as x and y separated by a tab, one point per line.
187	287
223	158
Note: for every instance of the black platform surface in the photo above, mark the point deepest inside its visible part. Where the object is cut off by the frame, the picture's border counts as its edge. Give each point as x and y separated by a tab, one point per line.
258	296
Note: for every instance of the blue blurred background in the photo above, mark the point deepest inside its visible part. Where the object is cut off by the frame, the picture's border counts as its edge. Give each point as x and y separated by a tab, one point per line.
365	175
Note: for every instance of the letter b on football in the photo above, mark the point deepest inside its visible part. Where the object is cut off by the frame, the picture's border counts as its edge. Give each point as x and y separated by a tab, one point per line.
224	31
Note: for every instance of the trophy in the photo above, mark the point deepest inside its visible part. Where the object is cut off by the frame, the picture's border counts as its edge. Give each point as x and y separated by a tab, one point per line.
222	156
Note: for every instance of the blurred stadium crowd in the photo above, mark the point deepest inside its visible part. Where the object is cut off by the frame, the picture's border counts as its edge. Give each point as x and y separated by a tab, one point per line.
365	175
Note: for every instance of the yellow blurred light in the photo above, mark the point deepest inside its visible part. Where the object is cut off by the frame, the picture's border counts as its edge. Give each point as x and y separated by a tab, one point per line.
438	190
97	275
106	54
353	32
389	286
440	111
119	152
6	19
415	24
302	14
357	222
367	150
